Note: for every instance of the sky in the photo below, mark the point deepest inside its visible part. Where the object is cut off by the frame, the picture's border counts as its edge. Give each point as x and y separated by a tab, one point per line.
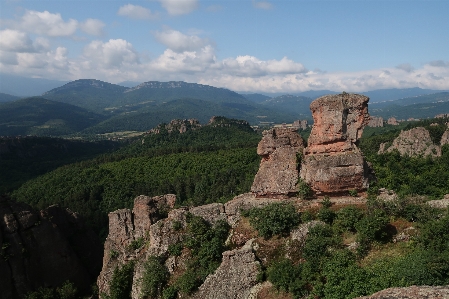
244	45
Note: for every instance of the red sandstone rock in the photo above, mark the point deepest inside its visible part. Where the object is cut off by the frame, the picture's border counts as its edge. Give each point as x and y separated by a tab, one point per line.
332	163
278	172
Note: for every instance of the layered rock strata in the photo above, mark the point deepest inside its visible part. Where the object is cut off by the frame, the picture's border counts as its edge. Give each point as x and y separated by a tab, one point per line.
44	249
279	170
414	142
332	162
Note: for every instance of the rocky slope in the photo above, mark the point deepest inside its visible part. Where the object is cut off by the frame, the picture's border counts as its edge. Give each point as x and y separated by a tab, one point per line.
44	249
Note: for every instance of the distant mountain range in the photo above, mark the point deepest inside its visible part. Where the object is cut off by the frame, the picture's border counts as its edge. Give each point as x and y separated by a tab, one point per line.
90	106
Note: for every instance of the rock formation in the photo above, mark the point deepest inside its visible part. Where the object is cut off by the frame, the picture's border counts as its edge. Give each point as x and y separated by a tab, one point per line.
332	162
234	278
413	142
180	125
445	138
44	249
392	121
278	172
413	292
375	122
300	124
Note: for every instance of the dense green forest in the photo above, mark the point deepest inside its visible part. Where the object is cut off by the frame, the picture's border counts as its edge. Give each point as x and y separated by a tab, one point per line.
209	164
410	175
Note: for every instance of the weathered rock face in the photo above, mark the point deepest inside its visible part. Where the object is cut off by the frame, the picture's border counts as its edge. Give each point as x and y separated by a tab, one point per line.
445	138
234	278
376	121
44	249
392	121
413	142
413	292
300	124
278	172
332	163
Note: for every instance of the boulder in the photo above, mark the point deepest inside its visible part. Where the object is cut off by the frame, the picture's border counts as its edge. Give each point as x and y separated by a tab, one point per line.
445	138
332	162
278	172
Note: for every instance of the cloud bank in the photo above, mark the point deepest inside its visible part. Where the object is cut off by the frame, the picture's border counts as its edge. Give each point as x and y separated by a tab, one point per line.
30	47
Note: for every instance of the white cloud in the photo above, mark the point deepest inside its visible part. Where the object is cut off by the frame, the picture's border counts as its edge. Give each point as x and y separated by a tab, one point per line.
262	5
112	54
407	67
136	12
253	67
15	41
178	41
179	7
439	63
46	23
92	27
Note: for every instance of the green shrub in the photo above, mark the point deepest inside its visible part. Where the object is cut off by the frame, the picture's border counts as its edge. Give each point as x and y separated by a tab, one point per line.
347	218
274	219
319	239
121	282
136	244
175	249
326	215
307	216
66	291
371	228
287	277
353	193
169	293
154	278
304	190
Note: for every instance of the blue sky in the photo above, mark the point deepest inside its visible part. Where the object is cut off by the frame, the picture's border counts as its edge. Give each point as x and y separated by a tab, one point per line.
258	46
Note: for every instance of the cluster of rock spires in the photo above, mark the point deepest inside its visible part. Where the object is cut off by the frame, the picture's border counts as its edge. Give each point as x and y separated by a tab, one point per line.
331	163
44	248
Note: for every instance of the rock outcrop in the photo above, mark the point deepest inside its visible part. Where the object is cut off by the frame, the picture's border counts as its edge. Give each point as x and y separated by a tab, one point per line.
44	249
180	125
413	142
413	292
235	277
376	121
332	162
135	235
445	138
279	170
300	124
392	121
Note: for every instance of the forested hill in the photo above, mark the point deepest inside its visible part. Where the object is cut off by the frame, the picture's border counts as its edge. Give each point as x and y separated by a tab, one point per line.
209	164
43	117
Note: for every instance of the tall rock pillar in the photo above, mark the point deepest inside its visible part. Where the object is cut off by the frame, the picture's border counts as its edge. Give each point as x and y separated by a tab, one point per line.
279	170
332	162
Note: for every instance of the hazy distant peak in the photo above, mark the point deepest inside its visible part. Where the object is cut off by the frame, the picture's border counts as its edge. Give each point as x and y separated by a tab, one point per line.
170	84
88	83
